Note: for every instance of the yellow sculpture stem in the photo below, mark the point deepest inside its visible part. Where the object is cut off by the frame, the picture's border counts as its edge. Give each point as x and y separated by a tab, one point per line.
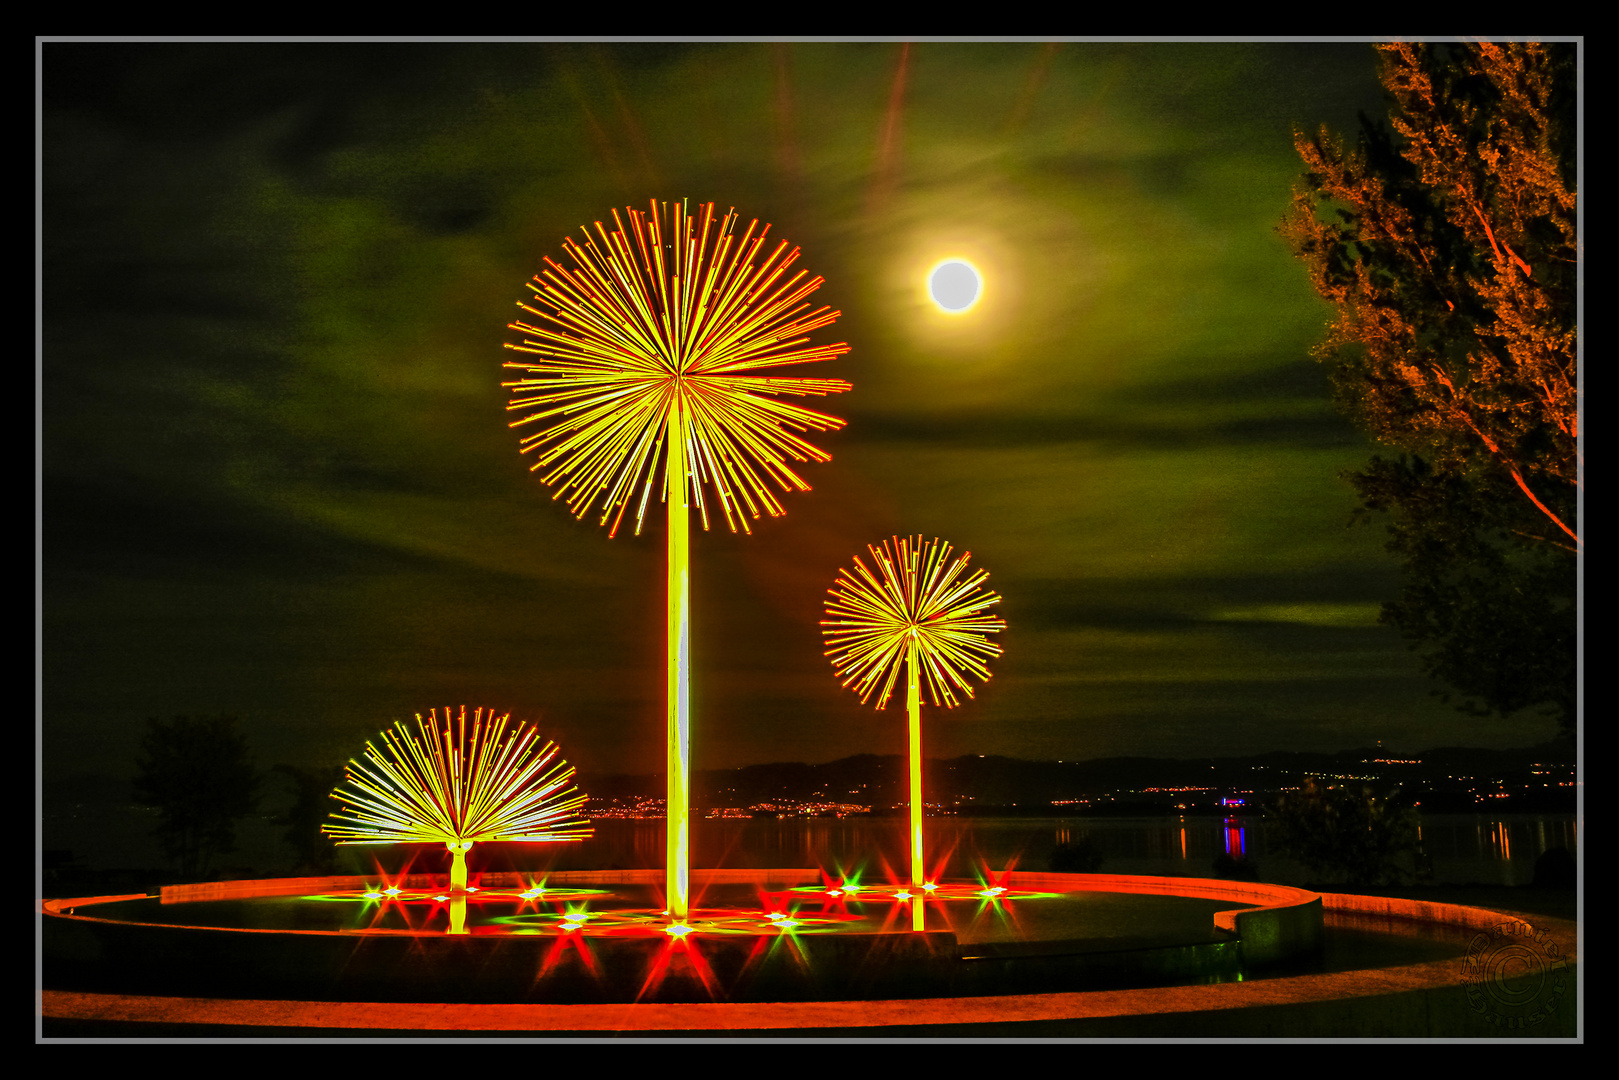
458	913
913	703
679	667
458	864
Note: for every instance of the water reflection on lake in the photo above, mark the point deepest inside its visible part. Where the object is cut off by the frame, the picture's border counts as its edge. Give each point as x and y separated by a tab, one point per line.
1461	848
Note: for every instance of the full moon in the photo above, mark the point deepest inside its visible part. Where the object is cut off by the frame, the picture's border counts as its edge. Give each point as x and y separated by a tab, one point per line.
954	285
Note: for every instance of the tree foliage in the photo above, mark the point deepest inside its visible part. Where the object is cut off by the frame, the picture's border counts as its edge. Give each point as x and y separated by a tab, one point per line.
311	790
1345	834
1449	250
199	776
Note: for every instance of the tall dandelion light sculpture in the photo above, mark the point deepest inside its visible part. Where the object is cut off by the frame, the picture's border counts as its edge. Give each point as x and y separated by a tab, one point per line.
456	782
635	357
914	608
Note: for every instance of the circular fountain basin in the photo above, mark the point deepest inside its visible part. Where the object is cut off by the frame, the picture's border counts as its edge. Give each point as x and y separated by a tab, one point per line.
1053	955
603	937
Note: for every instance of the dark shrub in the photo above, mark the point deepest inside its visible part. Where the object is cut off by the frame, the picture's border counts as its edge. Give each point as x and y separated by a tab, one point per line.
1555	869
1231	868
1346	833
1082	857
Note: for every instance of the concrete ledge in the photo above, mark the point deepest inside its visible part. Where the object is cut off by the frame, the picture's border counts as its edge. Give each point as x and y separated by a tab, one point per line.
237	890
1438	999
1285	922
1388	907
61	906
1418	1001
1245	892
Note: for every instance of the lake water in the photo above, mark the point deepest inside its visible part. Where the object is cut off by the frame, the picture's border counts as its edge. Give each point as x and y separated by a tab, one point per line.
1462	849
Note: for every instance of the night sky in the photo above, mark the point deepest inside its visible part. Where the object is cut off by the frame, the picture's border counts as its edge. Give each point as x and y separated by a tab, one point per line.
277	479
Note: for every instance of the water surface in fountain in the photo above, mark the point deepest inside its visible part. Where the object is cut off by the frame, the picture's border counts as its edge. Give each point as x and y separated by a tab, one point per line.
976	913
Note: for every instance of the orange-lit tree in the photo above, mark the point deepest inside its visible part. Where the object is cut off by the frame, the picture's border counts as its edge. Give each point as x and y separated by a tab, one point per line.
638	355
455	782
915	610
1449	251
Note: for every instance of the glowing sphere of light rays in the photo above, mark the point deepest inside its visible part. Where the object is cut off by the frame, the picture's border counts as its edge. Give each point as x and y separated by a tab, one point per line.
660	317
955	285
456	781
913	590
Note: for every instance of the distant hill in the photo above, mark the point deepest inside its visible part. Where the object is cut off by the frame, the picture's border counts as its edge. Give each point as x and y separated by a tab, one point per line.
994	781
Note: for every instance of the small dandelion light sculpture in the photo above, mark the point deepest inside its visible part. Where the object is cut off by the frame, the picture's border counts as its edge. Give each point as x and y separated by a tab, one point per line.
640	354
914	609
455	782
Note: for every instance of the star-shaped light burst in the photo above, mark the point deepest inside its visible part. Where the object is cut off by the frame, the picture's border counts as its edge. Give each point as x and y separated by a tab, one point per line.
455	783
918	609
637	354
657	321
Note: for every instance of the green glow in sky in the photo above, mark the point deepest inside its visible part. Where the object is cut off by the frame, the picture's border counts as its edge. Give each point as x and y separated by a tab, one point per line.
278	480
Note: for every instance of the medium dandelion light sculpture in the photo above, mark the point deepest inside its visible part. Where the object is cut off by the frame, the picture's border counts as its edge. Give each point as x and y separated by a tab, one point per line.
917	610
456	782
638	355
